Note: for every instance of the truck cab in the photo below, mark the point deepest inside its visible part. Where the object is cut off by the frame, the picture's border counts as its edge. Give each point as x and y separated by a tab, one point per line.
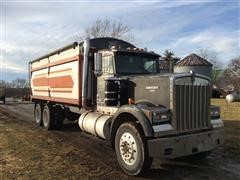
162	115
119	66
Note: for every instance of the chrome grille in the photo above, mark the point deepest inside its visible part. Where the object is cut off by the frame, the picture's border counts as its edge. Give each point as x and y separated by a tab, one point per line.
192	107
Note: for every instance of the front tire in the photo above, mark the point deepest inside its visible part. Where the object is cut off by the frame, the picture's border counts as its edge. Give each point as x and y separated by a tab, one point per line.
131	149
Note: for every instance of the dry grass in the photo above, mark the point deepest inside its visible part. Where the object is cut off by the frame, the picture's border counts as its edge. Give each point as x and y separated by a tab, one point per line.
26	153
232	139
30	152
229	111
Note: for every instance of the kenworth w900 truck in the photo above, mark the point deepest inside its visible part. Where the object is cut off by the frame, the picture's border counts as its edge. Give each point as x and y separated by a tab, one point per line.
119	95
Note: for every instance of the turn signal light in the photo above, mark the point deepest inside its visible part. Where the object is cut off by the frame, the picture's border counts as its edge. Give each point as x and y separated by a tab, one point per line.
131	101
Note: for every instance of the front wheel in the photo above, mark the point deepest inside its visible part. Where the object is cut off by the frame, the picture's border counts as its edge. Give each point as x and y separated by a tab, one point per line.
131	149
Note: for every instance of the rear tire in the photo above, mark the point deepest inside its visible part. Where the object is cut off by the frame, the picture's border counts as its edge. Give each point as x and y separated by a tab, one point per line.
47	117
131	149
71	116
52	117
38	114
58	117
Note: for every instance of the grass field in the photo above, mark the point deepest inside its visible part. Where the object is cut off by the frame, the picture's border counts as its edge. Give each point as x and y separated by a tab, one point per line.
29	152
229	111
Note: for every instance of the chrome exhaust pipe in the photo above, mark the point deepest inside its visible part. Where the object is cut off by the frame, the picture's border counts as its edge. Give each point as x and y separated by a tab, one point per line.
86	47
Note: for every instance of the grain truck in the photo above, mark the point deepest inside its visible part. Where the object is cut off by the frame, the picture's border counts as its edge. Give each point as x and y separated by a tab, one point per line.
118	94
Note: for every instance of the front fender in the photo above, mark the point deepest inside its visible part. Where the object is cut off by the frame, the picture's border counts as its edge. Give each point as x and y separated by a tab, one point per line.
138	114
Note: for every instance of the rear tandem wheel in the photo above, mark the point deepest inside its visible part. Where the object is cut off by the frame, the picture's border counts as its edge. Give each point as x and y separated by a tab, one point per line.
38	114
52	117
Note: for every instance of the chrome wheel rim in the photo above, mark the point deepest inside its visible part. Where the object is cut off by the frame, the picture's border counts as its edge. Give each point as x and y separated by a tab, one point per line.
37	116
45	118
128	148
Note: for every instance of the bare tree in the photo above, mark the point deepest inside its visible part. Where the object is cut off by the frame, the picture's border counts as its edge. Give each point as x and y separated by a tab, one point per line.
212	57
2	83
232	73
107	28
19	83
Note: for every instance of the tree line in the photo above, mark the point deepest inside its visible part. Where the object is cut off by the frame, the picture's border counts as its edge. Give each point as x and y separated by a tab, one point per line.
16	83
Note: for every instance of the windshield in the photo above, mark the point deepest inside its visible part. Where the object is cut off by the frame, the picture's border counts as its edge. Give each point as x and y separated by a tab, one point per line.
135	64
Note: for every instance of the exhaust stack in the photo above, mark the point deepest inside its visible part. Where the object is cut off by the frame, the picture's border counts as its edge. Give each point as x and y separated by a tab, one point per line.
86	47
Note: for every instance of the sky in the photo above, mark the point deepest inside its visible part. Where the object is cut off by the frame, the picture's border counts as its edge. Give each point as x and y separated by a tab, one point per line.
30	29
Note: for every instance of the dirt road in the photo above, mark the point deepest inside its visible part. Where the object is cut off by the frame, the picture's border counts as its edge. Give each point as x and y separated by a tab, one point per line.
28	151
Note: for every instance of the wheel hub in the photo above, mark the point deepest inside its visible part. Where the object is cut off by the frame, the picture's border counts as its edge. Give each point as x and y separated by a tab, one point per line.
128	148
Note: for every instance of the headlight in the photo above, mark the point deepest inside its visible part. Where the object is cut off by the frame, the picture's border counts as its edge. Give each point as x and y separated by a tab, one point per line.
164	116
215	112
160	117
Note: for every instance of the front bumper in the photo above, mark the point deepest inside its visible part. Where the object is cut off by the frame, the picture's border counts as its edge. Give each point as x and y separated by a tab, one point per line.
184	145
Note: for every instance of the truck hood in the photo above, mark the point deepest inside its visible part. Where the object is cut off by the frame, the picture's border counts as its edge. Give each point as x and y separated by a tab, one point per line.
152	88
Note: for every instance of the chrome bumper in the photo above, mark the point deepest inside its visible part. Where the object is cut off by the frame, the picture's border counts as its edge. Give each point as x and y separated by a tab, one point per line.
184	145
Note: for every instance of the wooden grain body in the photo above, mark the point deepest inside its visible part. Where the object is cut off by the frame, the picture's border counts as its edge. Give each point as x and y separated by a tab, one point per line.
58	77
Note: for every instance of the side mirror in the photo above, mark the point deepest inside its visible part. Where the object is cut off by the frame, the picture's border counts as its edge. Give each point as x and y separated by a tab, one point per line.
98	64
